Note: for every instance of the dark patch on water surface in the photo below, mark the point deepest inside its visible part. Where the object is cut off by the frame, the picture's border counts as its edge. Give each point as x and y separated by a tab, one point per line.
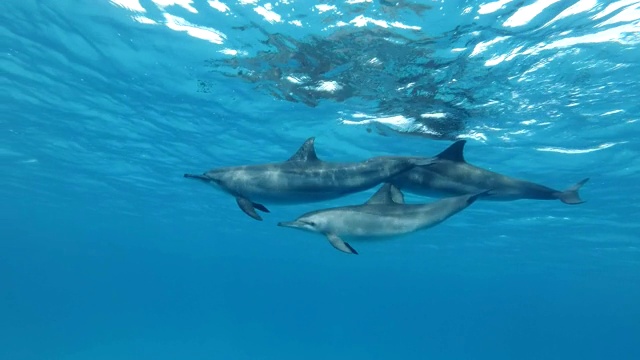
400	75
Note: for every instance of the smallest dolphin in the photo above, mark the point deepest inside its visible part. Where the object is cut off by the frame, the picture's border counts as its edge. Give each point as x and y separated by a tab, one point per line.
384	215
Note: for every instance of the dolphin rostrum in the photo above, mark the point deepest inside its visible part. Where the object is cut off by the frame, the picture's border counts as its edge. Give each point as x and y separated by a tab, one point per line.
304	178
451	175
384	215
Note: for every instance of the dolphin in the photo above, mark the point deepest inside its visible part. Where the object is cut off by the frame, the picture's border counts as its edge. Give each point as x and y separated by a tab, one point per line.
384	215
451	175
303	178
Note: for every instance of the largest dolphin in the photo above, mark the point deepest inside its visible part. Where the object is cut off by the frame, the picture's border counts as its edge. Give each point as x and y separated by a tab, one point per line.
303	178
384	215
451	175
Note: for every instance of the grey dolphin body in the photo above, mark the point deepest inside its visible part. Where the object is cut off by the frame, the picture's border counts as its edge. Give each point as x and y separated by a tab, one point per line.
451	175
303	178
384	215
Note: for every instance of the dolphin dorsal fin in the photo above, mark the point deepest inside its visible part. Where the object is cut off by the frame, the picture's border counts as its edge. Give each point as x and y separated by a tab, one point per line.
455	152
306	152
387	194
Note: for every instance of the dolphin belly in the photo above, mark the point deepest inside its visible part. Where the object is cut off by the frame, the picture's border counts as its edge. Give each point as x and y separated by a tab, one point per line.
288	197
515	193
362	225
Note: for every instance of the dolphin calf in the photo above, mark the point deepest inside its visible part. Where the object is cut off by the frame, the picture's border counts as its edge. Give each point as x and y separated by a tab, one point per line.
303	178
451	175
384	215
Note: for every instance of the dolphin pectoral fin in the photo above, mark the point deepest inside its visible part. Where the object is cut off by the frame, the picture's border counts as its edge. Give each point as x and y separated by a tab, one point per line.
261	207
571	195
475	196
340	244
248	208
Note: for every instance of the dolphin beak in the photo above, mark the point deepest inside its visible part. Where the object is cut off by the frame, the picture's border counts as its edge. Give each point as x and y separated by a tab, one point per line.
291	224
202	177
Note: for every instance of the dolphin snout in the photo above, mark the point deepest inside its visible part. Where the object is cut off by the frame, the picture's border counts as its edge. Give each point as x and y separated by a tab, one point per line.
288	224
202	177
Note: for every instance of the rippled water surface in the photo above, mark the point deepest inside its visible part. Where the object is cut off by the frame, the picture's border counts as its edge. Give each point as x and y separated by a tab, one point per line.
107	252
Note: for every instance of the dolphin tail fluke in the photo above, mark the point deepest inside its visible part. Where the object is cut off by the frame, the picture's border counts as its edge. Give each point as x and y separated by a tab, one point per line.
199	177
571	195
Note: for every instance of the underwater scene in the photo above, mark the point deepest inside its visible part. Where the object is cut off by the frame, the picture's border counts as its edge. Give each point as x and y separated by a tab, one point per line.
297	179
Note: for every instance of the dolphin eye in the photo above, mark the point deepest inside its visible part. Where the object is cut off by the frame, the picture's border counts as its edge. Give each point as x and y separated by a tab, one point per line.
311	223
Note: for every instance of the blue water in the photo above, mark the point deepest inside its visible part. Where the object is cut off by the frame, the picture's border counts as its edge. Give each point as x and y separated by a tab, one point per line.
106	252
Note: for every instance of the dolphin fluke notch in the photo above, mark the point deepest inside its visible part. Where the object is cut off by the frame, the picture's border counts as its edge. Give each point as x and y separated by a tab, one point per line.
571	195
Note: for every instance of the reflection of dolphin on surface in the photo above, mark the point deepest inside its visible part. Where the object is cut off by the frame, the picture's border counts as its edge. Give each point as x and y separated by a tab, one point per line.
451	175
303	178
392	73
384	215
